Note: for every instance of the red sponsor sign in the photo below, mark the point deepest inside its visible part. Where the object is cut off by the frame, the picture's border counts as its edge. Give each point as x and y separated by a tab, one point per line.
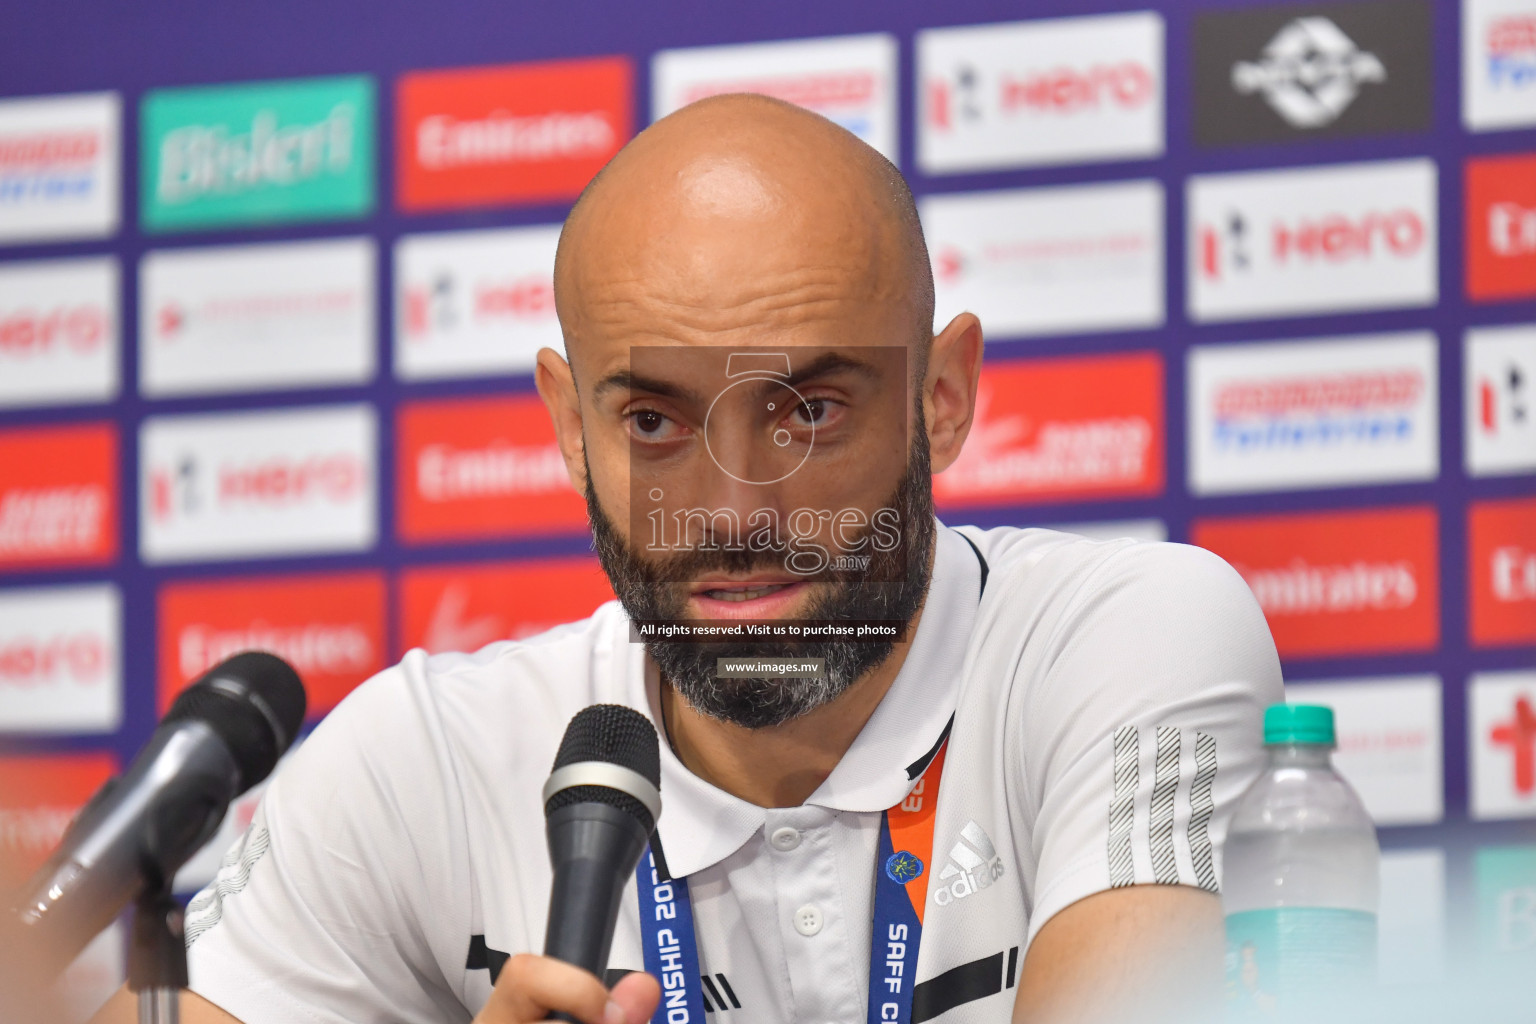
486	467
465	607
1059	430
330	628
39	795
1502	541
1338	582
516	133
1501	227
58	496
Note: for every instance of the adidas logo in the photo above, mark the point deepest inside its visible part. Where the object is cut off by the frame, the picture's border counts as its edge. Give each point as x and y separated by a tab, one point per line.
973	865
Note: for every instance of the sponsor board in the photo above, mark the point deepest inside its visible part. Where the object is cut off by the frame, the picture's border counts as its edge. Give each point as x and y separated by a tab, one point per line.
59	331
1505	894
40	794
1410	921
469	303
1330	412
256	153
1028	93
1499	402
517	133
1501	540
242	485
256	317
1338	583
1117	529
58	496
1498	64
61	659
482	467
465	607
1499	374
1389	742
60	167
1501	224
1056	260
850	80
1274	74
1061	429
1501	740
1312	240
329	627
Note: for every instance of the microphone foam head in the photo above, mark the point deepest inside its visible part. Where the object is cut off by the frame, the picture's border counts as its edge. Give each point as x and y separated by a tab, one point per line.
615	734
254	702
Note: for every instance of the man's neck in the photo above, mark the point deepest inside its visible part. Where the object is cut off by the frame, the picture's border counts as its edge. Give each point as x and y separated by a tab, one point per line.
780	765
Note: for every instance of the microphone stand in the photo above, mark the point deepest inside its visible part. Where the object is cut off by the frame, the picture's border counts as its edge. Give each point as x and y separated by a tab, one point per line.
157	956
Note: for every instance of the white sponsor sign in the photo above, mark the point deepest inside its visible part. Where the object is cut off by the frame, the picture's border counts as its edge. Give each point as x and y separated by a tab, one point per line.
256	317
59	331
1501	738
59	167
1498	64
1389	737
1117	529
1332	412
1315	240
237	485
474	302
61	659
1410	921
1071	90
1500	400
1060	260
847	79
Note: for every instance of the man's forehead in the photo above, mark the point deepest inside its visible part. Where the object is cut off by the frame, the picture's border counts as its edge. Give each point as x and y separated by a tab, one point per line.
677	369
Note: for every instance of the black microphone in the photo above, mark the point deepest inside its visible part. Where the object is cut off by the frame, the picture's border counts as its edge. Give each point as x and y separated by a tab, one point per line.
222	735
600	807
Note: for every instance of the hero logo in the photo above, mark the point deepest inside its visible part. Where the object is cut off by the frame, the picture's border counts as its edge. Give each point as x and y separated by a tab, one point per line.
1316	240
36	661
1228	246
1040	92
1310	73
1500	376
272	482
1062	90
244	484
435	307
973	865
33	333
59	668
1517	734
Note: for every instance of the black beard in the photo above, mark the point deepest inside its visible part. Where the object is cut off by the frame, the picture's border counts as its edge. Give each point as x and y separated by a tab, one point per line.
655	591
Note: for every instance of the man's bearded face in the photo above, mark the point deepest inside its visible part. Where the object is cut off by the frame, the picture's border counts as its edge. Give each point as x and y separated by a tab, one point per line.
655	589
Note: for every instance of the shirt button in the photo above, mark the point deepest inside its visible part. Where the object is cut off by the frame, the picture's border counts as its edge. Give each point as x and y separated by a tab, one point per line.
784	839
808	920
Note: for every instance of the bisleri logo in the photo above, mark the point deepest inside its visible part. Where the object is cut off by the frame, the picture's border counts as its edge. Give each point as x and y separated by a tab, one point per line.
266	151
1310	72
972	865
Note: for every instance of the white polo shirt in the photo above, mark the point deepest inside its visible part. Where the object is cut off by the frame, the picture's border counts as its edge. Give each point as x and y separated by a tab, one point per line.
1105	699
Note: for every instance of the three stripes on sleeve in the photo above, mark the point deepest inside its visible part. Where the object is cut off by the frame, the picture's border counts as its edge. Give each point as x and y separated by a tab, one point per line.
1161	837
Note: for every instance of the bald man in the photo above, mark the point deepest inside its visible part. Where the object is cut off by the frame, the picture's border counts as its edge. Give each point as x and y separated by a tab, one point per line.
1006	802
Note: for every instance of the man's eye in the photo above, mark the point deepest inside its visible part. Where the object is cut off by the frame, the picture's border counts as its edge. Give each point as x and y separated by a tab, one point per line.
812	412
649	424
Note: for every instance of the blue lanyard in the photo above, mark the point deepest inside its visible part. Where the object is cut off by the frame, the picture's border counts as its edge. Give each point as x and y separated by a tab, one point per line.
671	948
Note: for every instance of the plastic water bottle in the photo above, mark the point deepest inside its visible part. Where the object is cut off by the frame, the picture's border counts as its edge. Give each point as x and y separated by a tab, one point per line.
1300	880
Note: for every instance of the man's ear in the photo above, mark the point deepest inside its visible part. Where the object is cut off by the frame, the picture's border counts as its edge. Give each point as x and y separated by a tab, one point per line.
552	376
949	390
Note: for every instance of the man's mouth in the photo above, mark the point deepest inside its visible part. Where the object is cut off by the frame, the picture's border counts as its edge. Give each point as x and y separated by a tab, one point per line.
749	599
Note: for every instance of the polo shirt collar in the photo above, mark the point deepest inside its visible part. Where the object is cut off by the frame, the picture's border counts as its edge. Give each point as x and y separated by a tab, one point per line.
701	825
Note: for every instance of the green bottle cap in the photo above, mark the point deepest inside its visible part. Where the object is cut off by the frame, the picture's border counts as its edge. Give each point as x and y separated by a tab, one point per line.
1298	723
